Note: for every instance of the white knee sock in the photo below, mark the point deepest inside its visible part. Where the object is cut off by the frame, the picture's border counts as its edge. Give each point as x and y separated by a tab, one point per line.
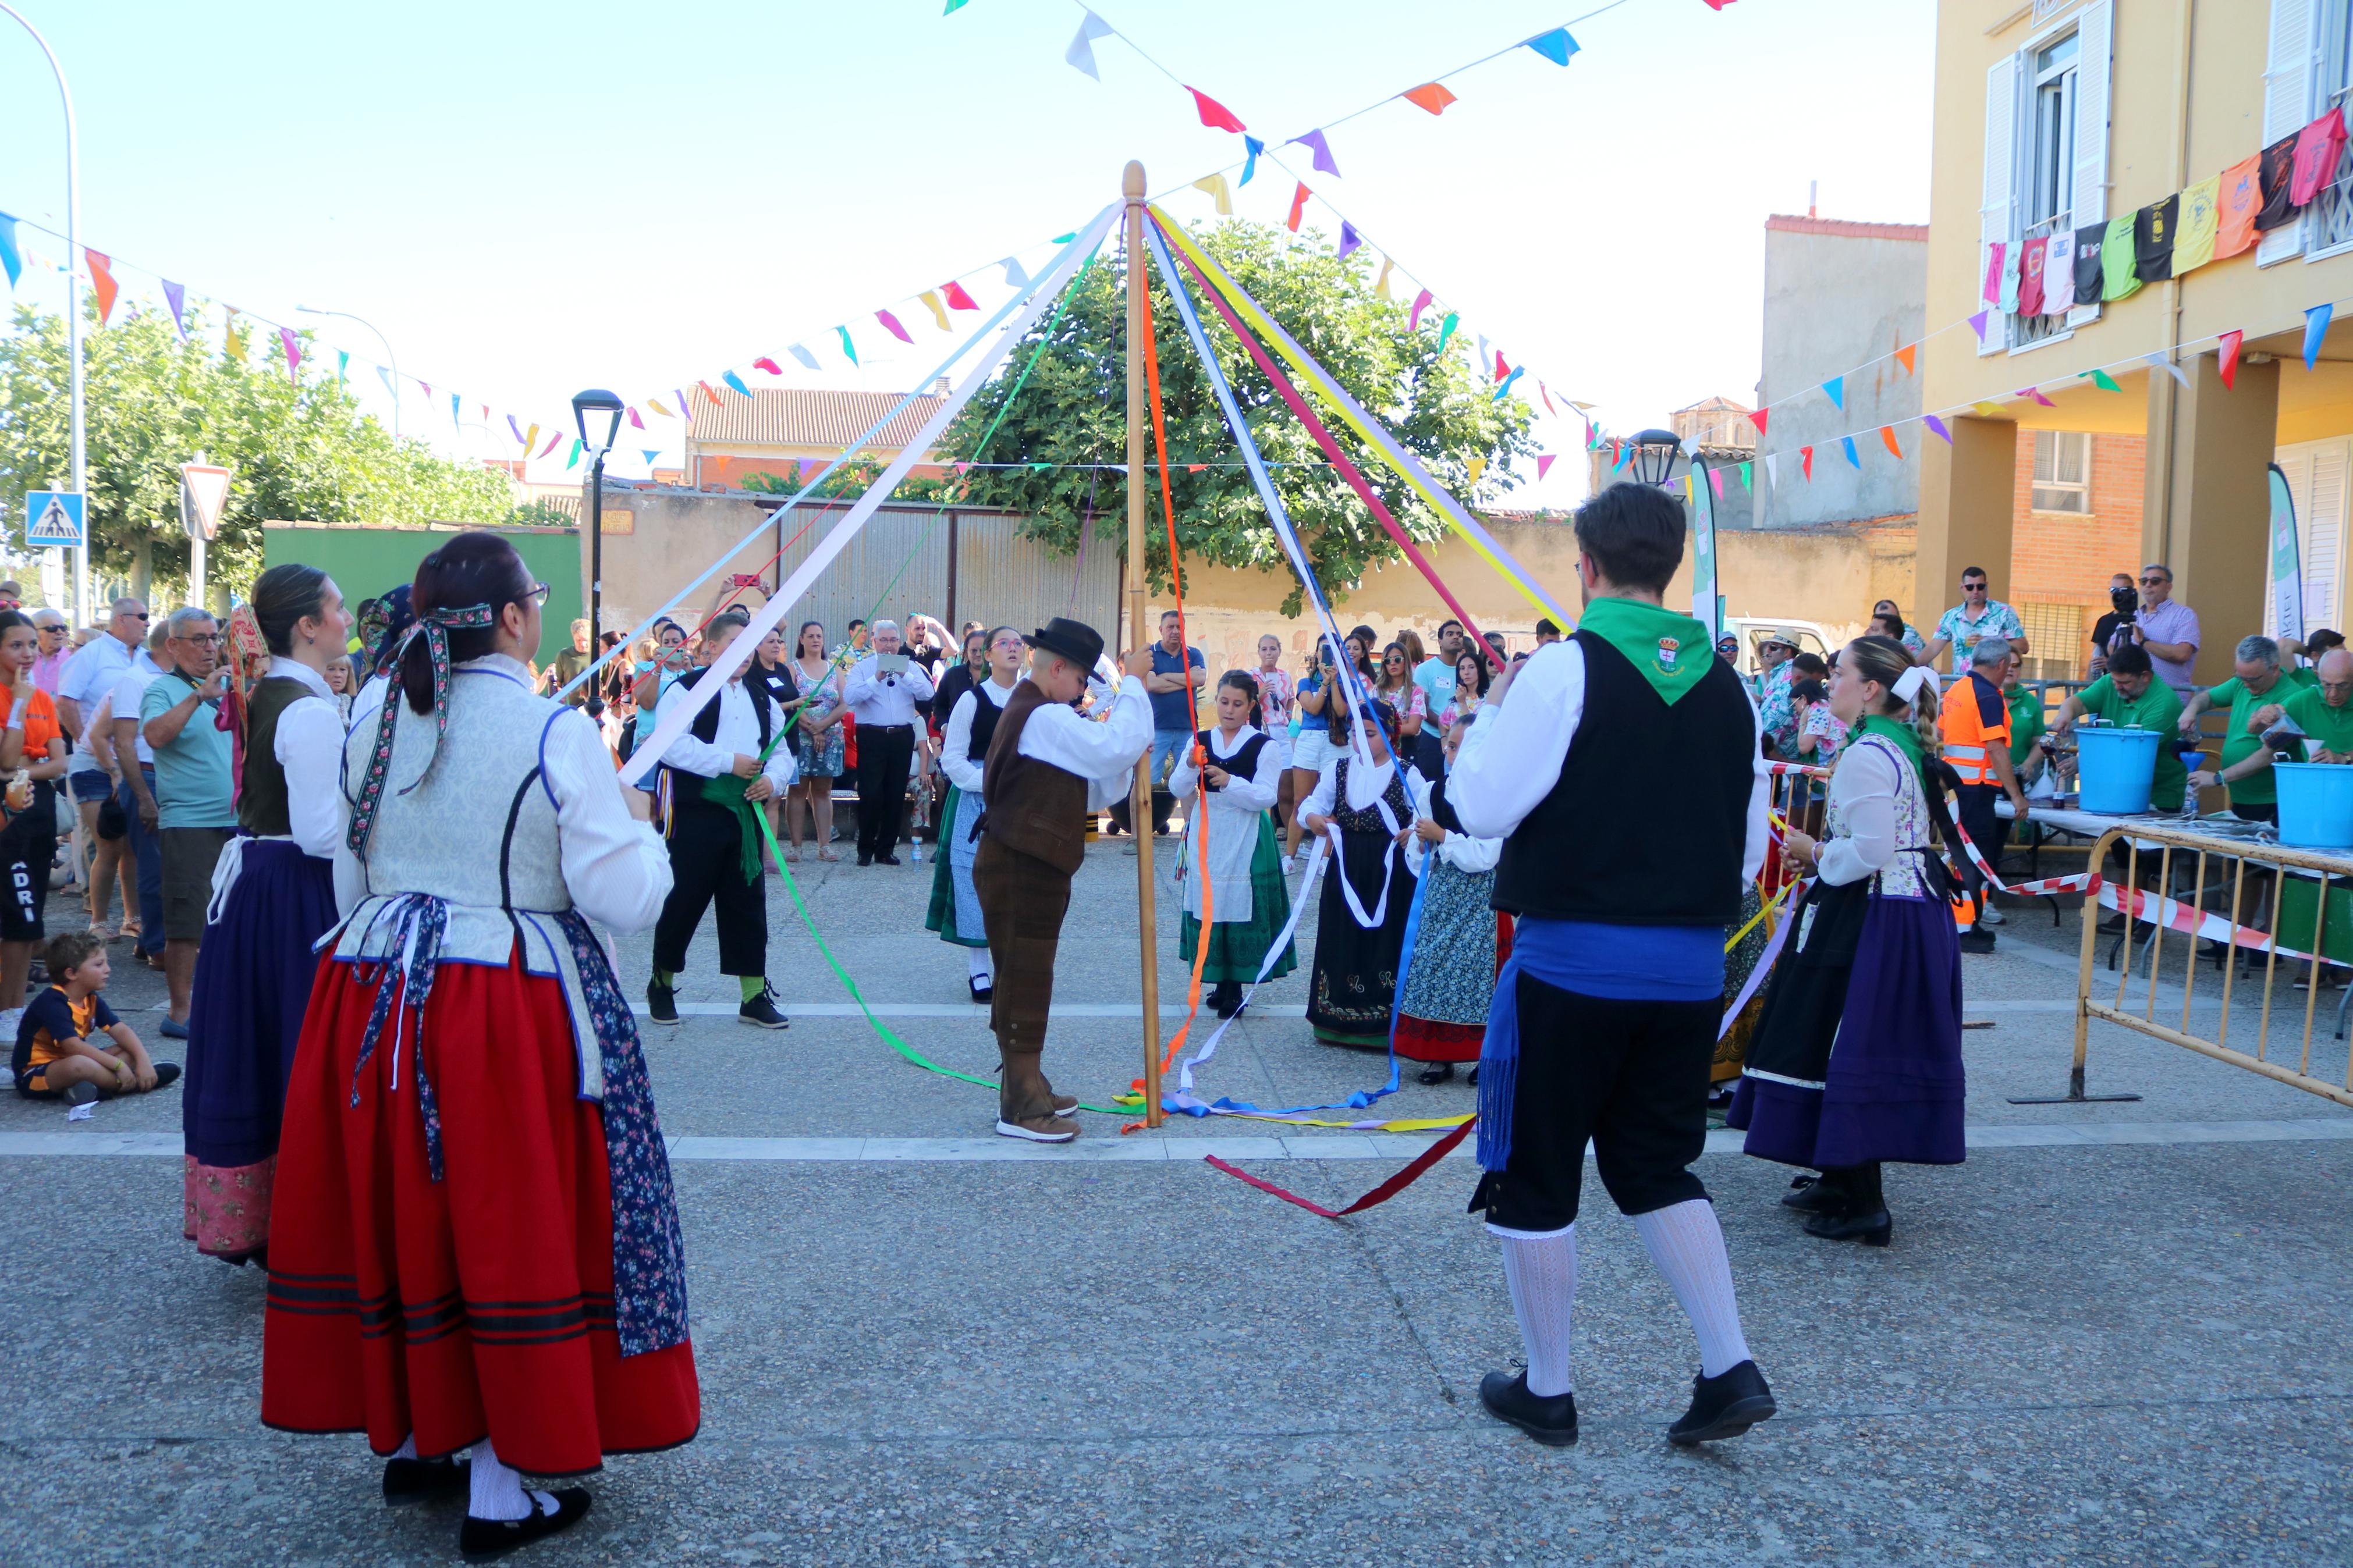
498	1491
1542	1276
1687	1244
976	958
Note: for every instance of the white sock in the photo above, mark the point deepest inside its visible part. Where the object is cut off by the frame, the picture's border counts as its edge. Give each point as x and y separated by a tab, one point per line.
976	960
498	1491
1687	1244
1542	1276
407	1449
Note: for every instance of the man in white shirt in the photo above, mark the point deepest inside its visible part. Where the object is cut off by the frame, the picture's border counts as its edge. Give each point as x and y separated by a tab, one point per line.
1046	767
1604	1022
881	693
714	840
88	676
135	765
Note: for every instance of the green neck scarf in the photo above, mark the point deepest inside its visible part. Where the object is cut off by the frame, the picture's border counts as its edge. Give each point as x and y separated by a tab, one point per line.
1906	739
1671	650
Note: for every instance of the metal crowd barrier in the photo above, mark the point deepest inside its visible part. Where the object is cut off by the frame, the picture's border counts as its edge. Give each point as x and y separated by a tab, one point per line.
2328	945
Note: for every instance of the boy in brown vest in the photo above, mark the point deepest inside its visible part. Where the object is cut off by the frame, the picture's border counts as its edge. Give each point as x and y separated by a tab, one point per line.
1046	768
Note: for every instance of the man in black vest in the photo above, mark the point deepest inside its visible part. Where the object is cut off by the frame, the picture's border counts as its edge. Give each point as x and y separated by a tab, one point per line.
715	846
1604	1018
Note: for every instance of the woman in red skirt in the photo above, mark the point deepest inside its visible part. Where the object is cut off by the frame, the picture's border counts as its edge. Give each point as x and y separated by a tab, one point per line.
475	1244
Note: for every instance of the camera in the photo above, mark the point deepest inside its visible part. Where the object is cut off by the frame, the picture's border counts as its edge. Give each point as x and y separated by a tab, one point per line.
2125	602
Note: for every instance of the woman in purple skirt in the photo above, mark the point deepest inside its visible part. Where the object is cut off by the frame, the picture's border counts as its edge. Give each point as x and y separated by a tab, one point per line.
273	896
1857	1057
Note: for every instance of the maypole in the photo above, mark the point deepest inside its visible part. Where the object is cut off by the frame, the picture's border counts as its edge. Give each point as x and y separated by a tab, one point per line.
1139	810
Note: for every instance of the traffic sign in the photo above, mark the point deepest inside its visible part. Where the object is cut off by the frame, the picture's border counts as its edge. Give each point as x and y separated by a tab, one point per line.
53	518
204	492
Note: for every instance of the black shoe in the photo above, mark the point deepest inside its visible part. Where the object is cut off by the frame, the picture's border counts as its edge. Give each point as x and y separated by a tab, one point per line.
886	859
1870	1226
1438	1072
1723	1407
1976	942
661	1002
761	1013
864	858
1811	1194
1551	1421
1474	1075
982	996
2112	923
1227	999
480	1540
407	1481
166	1073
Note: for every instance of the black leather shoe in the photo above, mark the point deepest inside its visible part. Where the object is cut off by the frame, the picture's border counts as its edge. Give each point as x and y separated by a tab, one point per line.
1810	1194
886	859
1438	1072
661	1003
407	1481
982	996
480	1539
1551	1421
1723	1407
761	1013
1976	942
1870	1226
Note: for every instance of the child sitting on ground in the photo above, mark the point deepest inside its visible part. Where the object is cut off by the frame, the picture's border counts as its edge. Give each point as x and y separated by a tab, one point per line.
56	1056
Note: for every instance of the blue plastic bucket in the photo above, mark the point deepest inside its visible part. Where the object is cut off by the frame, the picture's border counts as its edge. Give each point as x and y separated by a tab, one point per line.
2115	768
2315	805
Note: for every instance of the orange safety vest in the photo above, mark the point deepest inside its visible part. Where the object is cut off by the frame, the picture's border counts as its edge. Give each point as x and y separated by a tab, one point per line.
1968	739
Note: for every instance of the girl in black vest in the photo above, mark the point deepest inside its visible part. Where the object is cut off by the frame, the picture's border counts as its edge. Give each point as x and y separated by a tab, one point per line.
1231	863
1360	928
274	896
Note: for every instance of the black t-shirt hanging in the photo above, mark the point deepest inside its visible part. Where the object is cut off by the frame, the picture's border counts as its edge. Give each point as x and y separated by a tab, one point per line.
2089	278
2153	229
2276	173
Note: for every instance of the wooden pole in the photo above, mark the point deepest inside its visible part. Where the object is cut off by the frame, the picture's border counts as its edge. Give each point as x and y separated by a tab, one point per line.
1139	809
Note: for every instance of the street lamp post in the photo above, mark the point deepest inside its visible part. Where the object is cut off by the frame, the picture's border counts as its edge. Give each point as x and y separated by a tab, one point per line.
73	317
1653	462
371	326
598	415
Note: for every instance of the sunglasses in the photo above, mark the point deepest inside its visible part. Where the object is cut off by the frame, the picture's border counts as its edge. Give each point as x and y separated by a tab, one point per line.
2146	581
1973	588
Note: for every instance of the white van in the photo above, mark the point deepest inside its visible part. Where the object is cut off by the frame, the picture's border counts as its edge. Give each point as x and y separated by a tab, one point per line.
1751	629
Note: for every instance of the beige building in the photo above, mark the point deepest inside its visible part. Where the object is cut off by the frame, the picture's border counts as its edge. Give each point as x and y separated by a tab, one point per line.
733	438
2057	115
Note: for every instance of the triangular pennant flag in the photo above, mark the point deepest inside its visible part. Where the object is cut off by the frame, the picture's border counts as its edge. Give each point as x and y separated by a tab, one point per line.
686	405
1545	463
2100	379
10	257
574	460
2034	392
1904	356
529	437
1555	45
2166	365
1446	328
1431	96
1748	476
1349	238
802	354
1987	410
175	295
1806	461
807	467
344	363
1421	303
1758	419
1215	184
1624	452
931	300
1477	466
652	403
1195	467
1015	277
454	417
2229	365
2316	327
1215	115
955	6
102	283
1715	481
520	438
1502	368
294	347
771	366
1835	388
1081	52
1381	284
649	454
636	419
957	298
731	379
1773	469
1314	141
1978	323
1848	442
1887	440
233	340
421	381
1503	390
552	442
1546	394
1251	148
890	324
964	467
1936	425
385	376
1298	206
847	346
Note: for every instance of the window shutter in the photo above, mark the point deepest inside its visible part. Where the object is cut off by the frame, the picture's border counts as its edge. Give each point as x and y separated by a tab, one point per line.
2095	35
2322	526
1994	224
2287	104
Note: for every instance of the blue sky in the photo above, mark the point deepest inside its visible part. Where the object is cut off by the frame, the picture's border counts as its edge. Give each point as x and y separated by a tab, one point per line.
530	199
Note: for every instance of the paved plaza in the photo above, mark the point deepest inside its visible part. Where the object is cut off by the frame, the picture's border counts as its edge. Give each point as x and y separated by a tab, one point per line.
2118	1334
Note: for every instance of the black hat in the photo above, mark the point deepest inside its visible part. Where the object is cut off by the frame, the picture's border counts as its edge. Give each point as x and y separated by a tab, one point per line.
1074	640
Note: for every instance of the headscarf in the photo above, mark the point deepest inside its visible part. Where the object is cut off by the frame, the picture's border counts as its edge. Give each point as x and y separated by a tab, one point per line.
383	625
434	627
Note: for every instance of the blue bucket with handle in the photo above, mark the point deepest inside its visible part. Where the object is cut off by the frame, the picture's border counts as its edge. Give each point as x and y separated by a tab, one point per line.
2315	805
2115	767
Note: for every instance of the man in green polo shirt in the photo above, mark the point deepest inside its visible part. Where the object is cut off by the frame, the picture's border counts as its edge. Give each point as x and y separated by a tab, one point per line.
2324	714
2026	725
2245	765
2132	696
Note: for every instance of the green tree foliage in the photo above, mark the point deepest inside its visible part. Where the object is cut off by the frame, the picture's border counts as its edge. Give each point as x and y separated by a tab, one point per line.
542	514
300	449
1074	412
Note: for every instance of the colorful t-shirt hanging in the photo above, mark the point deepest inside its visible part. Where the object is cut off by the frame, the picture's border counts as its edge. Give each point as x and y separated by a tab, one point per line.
2090	275
2059	274
2029	277
2317	147
2153	233
2193	242
2241	197
2118	278
2010	279
1994	255
2274	174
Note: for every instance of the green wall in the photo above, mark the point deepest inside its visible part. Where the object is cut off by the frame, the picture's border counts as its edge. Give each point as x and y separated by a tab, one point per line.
367	561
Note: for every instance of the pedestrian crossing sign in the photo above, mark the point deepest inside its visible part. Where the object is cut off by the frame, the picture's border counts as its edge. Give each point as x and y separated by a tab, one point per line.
53	518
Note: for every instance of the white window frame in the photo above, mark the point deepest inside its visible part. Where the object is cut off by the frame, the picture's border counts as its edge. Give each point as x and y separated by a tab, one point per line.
2332	28
2011	98
2035	481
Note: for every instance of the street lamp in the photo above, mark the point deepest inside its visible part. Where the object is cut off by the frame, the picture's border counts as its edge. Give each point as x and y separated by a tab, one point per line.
371	326
1655	451
598	415
73	318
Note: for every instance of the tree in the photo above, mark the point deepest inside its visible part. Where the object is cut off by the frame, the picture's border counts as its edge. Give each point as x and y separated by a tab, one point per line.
1072	413
300	448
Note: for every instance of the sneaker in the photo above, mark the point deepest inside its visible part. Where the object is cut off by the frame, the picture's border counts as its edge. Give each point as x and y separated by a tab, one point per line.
1039	1129
661	1002
761	1013
1722	1406
407	1481
1993	917
480	1539
1549	1419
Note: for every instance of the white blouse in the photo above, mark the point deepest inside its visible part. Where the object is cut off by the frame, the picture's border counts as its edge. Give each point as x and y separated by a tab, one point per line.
1252	794
1365	785
1863	791
309	746
1467	855
956	760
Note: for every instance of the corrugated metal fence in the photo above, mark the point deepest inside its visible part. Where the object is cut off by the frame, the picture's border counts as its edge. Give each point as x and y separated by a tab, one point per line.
958	566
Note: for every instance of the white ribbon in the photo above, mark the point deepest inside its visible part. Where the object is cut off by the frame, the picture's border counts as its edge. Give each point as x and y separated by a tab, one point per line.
230	865
1908	684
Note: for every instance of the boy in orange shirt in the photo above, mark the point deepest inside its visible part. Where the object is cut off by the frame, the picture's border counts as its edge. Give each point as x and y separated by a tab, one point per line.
56	1056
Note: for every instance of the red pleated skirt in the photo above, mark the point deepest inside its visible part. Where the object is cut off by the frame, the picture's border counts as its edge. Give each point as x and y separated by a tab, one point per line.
481	1305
